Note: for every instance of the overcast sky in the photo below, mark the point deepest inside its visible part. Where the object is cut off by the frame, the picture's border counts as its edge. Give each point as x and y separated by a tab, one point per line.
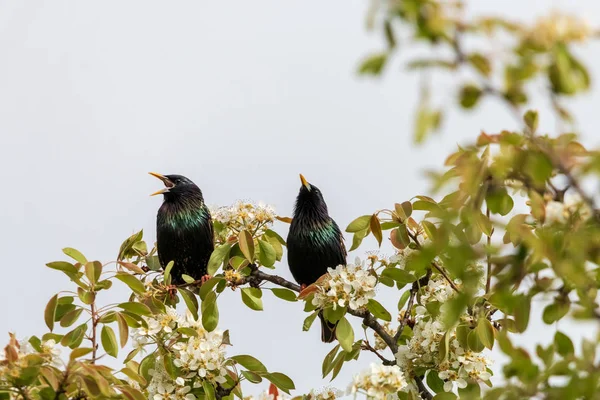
239	96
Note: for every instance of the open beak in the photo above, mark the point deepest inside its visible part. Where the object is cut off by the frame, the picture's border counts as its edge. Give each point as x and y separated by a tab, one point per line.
166	181
304	182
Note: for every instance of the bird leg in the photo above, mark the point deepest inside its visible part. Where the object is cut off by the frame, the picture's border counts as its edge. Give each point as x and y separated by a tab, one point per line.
172	291
204	279
302	287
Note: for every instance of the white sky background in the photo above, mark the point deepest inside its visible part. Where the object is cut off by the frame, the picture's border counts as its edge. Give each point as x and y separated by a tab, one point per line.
240	97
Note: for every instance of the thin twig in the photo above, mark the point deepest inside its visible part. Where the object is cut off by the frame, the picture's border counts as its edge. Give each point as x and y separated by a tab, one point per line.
367	346
435	265
94	328
257	276
423	392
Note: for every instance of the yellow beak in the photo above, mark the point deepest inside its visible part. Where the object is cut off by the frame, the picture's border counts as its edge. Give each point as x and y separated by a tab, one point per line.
304	182
165	180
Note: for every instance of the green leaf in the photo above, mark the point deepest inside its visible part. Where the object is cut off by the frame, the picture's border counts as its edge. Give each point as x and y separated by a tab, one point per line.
123	329
86	296
480	63
74	338
373	65
345	334
190	301
79	352
284	294
93	269
332	315
109	341
378	310
209	285
499	201
251	377
167	273
474	341
376	229
210	312
216	258
469	96
531	120
521	312
309	321
280	380
50	312
485	331
146	365
187	278
70	318
252	298
434	382
75	255
136	308
267	255
555	311
209	390
328	360
250	363
246	243
359	224
357	238
403	299
134	283
66	267
563	343
445	396
399	275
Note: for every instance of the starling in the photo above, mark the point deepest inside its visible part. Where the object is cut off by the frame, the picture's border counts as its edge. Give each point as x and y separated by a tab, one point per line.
314	244
184	229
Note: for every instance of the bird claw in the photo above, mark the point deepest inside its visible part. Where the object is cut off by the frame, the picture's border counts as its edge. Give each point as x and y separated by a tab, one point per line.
302	287
204	279
172	290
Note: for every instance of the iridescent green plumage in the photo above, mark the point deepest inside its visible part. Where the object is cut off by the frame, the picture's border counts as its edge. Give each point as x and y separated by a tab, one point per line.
184	230
314	244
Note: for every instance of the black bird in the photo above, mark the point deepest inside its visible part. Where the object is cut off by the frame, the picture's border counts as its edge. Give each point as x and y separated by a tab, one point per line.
184	229
314	244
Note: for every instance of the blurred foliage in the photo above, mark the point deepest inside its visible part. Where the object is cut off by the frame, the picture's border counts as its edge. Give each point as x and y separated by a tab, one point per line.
508	224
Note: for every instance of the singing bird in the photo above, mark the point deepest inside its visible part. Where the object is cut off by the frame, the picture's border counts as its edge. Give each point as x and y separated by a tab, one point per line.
184	230
314	244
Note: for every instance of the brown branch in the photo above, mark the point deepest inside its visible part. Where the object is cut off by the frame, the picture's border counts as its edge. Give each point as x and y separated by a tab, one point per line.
367	346
94	328
423	392
256	277
413	292
435	265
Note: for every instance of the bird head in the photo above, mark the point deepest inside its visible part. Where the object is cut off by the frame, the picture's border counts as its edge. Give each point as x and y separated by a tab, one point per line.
310	198
176	186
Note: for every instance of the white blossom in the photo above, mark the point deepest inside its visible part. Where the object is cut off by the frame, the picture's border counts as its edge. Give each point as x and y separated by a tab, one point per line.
245	215
325	394
379	381
200	357
558	27
346	286
422	350
266	396
561	212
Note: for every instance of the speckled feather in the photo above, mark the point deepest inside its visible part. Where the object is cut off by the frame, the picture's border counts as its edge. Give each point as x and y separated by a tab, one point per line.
314	244
184	233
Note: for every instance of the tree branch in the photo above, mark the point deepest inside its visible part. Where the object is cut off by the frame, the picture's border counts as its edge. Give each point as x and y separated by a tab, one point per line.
367	346
257	276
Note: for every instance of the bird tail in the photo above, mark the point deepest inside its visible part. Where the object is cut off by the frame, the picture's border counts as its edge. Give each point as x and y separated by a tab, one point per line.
327	329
